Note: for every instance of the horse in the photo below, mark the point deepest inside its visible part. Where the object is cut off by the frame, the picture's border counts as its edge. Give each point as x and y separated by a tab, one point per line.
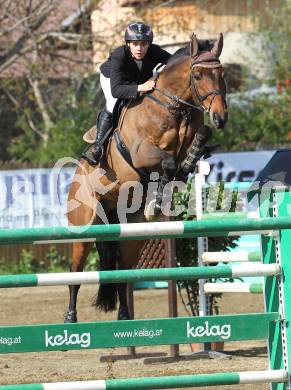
160	135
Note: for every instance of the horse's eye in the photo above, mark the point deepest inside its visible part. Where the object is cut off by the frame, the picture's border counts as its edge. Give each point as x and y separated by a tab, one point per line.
197	76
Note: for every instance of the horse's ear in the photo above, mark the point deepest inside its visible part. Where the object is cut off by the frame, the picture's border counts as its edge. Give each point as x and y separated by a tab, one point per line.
193	46
217	48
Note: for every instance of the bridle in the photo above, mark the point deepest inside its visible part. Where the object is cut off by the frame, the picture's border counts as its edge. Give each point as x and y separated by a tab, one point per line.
210	63
177	106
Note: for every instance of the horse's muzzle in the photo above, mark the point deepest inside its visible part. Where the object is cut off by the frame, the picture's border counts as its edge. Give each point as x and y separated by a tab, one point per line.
217	120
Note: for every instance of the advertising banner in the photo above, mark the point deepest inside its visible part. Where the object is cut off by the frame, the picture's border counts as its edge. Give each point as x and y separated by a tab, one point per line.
37	197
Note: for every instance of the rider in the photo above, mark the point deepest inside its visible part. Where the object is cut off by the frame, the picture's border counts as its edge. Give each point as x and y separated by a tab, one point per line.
125	75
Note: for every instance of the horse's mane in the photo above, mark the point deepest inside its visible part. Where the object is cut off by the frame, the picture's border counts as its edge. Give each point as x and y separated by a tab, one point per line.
182	53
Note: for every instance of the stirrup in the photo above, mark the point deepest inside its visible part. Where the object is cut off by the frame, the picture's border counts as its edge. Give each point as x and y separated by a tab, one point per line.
90	157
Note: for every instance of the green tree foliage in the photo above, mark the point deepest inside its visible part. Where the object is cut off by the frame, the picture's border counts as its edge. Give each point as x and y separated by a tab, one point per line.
75	112
276	27
263	120
254	123
46	49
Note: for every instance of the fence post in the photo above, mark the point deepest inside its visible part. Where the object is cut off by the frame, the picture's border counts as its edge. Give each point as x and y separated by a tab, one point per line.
276	247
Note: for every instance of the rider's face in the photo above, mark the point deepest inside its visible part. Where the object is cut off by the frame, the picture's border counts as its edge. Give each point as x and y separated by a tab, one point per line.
138	49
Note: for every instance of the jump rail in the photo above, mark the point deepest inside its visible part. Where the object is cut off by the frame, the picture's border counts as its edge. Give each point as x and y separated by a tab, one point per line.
253	288
241	256
164	382
185	273
135	231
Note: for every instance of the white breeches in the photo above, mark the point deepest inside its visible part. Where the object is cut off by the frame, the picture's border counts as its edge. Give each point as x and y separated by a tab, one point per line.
106	87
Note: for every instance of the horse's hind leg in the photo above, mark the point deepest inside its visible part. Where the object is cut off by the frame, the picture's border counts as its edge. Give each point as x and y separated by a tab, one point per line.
130	252
80	253
108	259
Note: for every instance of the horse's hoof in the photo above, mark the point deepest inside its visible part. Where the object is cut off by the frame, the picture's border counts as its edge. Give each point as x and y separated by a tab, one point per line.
70	317
151	212
123	314
183	176
157	210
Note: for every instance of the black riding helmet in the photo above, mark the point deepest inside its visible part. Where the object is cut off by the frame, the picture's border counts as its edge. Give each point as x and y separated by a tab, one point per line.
138	31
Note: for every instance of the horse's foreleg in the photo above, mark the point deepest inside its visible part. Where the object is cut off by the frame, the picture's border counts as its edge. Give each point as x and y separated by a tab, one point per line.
123	311
196	150
80	253
82	205
130	254
169	167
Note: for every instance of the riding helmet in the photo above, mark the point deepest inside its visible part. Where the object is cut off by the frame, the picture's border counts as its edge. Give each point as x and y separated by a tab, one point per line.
138	31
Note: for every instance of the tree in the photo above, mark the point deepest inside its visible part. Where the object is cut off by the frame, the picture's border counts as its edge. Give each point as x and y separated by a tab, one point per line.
45	44
263	119
76	112
276	28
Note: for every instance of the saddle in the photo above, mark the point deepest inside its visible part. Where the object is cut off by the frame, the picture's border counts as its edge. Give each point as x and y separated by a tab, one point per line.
117	118
90	135
118	112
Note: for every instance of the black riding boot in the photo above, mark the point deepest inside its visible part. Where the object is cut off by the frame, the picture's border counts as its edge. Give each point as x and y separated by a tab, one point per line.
94	152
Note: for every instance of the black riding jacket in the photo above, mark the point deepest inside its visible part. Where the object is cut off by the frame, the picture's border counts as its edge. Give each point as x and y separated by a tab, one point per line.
124	73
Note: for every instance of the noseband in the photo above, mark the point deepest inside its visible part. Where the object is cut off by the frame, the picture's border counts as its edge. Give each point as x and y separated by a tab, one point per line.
205	63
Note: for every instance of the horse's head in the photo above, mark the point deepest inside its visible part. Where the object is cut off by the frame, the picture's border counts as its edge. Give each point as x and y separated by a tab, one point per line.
207	81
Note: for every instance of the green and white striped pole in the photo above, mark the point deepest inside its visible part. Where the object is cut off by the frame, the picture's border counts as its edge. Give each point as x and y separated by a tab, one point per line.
183	273
165	382
136	231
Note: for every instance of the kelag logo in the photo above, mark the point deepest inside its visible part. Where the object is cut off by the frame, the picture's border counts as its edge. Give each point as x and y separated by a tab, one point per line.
81	339
224	331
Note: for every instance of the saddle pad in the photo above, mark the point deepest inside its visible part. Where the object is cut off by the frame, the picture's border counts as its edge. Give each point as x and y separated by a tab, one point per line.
119	110
90	135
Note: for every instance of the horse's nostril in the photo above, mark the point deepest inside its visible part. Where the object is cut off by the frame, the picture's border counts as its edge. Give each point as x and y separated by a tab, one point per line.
218	121
216	118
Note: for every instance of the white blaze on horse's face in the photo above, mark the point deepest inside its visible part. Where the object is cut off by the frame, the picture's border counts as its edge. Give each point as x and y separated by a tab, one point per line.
218	112
210	85
207	81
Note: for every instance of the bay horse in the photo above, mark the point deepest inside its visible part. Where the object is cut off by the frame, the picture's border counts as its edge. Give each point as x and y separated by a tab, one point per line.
163	134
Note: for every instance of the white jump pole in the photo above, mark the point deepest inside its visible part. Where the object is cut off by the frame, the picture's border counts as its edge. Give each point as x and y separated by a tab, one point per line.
227	257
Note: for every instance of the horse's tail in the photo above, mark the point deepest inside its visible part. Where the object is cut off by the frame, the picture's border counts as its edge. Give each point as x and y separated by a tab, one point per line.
107	294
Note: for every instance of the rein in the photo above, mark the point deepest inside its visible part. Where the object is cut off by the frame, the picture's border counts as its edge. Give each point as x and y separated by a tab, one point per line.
174	107
176	100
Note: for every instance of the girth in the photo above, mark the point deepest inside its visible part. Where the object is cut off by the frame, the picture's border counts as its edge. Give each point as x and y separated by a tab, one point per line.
123	150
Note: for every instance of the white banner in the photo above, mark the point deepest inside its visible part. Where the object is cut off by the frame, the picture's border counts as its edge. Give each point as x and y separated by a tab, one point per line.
237	167
34	197
37	197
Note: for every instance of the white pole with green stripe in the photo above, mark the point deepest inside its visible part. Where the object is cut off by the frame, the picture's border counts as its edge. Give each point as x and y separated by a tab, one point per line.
165	382
227	257
235	287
